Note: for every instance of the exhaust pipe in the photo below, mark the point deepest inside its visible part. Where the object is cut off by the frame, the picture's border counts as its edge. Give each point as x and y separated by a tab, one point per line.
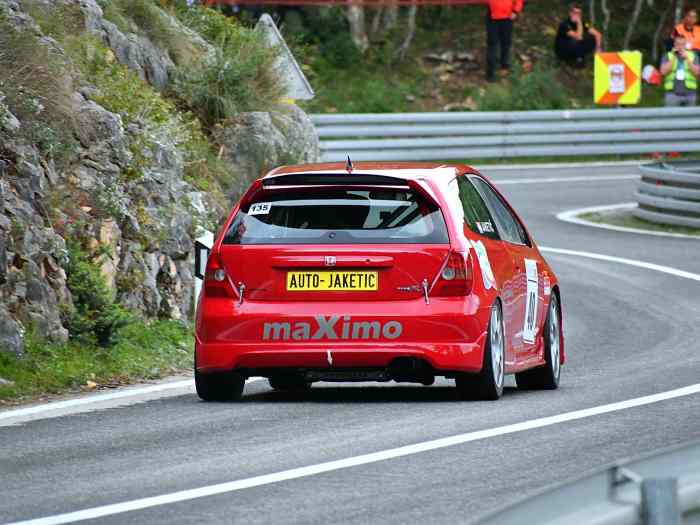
411	370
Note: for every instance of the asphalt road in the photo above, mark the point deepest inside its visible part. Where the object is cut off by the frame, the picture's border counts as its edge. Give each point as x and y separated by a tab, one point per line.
630	332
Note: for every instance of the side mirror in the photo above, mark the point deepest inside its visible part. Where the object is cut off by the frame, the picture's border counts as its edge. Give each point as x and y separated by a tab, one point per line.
201	254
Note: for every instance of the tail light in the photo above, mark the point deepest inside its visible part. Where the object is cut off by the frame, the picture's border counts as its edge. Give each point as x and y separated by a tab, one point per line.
456	276
216	281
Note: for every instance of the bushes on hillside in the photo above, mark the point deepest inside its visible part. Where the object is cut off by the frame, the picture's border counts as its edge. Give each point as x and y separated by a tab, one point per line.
35	87
239	77
95	316
540	89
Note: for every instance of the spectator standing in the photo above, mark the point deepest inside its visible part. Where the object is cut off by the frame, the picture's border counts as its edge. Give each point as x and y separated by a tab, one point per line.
499	32
575	38
681	70
690	29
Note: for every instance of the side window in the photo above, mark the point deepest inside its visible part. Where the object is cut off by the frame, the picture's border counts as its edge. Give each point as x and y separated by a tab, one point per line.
508	225
476	213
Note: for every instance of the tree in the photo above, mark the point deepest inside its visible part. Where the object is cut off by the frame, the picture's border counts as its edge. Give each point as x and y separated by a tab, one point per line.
633	23
659	29
411	31
385	19
606	21
356	20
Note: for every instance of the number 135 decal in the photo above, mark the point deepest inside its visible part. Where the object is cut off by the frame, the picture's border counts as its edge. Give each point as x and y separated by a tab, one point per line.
530	326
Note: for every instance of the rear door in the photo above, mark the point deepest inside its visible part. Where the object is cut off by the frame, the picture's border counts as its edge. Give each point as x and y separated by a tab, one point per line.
491	251
528	290
335	243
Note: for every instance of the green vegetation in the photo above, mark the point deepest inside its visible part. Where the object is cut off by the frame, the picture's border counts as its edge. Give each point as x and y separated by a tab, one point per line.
107	342
627	220
146	18
539	89
95	317
381	80
238	77
36	89
142	351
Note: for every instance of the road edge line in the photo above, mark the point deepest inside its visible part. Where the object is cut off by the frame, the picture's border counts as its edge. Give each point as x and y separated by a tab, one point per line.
91	399
572	217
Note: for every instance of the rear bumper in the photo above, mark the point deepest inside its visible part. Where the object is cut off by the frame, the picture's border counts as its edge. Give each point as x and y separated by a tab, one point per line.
448	334
465	357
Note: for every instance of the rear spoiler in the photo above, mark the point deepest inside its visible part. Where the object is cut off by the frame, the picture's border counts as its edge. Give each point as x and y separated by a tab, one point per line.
326	179
339	179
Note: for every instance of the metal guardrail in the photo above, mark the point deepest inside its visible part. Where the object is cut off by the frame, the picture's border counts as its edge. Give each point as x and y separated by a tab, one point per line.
662	489
669	193
471	135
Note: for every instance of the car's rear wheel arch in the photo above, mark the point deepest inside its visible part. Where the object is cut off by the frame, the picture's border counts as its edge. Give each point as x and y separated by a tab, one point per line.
488	383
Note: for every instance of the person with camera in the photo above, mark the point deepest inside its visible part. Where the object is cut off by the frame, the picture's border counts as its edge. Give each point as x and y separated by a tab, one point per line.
680	69
690	29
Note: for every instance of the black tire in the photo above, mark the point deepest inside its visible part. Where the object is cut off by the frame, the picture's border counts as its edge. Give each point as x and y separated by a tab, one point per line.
289	382
546	377
486	385
219	386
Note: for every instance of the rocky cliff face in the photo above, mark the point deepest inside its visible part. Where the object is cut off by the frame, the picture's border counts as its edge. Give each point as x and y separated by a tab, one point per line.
139	229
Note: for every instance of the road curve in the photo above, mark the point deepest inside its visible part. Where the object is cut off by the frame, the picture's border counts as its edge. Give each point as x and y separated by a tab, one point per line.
631	332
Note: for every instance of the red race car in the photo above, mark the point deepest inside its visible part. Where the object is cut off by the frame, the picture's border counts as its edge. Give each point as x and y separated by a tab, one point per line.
377	272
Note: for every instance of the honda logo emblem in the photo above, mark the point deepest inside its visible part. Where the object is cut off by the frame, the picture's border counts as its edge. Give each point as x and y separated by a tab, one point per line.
330	260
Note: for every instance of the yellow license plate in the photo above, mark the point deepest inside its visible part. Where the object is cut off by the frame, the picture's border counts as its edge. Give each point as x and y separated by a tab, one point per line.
334	281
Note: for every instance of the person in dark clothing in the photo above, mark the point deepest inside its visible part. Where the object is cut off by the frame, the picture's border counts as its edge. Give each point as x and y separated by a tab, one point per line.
575	38
499	31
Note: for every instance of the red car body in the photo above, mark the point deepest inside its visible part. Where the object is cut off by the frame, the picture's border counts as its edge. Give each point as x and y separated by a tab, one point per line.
399	318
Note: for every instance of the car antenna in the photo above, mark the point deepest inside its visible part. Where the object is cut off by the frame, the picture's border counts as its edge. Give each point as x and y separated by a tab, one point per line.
348	165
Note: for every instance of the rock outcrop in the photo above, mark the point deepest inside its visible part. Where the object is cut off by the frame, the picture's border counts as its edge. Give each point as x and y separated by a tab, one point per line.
258	141
140	228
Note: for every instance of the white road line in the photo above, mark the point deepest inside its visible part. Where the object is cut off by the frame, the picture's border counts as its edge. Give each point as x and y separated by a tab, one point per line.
542	180
97	398
572	216
631	262
417	448
365	459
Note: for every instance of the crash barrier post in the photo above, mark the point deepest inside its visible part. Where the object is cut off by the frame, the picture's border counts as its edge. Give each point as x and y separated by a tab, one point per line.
480	135
658	488
202	247
669	193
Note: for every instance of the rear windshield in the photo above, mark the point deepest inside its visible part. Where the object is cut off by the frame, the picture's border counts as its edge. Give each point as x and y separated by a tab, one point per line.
339	216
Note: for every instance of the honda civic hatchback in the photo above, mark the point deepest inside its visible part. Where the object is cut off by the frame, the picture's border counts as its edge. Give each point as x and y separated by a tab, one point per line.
378	272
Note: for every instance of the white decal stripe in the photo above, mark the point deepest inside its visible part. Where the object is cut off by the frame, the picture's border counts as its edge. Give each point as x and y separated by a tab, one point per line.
312	470
532	296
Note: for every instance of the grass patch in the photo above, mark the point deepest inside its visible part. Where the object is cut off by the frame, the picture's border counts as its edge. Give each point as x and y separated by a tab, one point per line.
539	89
628	220
37	89
239	77
144	351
